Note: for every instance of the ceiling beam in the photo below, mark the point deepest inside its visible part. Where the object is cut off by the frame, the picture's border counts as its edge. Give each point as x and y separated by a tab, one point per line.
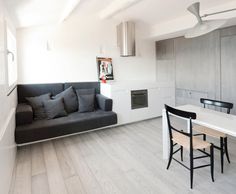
115	7
72	4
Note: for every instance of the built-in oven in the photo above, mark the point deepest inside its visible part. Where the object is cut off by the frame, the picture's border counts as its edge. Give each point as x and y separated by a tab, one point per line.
139	99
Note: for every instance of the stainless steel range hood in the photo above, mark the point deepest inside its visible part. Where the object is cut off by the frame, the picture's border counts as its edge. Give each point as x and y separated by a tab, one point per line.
126	38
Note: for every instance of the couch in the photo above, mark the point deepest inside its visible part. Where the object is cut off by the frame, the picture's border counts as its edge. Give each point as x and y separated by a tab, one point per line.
29	130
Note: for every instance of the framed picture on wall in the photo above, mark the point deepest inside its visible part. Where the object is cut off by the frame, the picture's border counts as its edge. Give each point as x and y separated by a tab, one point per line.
105	68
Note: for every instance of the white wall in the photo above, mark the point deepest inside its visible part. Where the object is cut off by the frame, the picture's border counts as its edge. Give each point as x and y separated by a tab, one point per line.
74	46
7	112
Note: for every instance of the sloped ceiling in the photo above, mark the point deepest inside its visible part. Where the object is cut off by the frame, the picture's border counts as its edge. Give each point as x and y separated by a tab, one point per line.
151	12
35	12
157	11
39	12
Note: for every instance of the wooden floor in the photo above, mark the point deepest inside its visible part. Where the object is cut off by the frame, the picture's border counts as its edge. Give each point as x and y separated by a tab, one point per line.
126	160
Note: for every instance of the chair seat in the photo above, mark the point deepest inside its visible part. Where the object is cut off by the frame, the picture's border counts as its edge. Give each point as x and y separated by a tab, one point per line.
184	140
208	131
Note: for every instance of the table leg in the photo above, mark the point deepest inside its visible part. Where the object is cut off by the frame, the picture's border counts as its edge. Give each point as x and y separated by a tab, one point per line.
165	136
188	125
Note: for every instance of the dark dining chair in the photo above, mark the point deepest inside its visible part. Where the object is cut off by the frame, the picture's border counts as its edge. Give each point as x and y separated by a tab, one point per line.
205	131
187	141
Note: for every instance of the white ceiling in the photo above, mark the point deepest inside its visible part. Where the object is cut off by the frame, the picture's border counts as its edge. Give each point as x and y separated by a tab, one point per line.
158	11
151	12
39	12
35	12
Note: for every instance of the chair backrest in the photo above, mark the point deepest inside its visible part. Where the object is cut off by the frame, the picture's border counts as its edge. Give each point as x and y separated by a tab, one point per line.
217	103
181	114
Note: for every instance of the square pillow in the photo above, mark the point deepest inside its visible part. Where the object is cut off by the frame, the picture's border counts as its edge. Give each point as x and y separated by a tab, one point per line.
55	108
86	103
38	106
86	99
70	99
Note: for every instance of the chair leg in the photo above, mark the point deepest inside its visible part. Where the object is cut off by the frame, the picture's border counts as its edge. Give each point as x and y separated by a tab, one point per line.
204	139
222	154
226	148
191	169
181	153
212	162
171	155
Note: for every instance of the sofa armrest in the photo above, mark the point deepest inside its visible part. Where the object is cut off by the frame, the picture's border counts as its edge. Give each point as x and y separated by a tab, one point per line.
104	103
24	114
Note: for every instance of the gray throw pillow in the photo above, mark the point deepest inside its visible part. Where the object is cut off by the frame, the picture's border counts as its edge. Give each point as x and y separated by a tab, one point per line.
86	102
87	105
70	99
38	106
55	108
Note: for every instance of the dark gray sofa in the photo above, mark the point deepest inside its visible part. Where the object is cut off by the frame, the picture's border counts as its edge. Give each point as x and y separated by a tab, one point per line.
29	130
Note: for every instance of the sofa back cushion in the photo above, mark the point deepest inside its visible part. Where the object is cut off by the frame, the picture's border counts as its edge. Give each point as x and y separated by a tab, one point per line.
84	85
32	90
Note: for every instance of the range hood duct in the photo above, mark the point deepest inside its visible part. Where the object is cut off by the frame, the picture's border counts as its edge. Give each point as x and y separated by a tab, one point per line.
126	38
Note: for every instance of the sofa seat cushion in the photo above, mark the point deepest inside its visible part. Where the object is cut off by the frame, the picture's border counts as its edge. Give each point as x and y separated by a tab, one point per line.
73	123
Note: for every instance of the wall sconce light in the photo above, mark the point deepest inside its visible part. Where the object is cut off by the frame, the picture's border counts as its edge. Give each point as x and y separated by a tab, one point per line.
12	55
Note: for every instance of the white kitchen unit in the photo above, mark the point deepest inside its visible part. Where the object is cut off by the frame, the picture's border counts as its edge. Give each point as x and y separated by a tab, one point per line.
158	94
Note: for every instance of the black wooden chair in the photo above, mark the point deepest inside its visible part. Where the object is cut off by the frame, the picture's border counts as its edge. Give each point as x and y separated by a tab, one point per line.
205	131
188	141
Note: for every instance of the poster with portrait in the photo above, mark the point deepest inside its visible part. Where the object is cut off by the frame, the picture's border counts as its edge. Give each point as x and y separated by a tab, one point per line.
105	68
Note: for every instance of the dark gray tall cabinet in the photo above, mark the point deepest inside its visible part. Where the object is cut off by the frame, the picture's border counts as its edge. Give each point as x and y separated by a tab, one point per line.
200	67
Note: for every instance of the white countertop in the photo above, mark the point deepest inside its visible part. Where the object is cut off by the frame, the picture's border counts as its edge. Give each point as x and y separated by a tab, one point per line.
136	84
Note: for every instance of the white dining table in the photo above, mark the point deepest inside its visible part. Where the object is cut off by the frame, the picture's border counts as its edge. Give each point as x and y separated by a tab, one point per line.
216	120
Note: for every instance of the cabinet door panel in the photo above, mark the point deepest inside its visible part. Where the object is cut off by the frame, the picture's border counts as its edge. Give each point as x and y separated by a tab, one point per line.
122	105
228	70
197	63
189	97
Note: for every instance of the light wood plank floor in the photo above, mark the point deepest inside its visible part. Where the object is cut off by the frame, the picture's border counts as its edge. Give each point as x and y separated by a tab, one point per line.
125	159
